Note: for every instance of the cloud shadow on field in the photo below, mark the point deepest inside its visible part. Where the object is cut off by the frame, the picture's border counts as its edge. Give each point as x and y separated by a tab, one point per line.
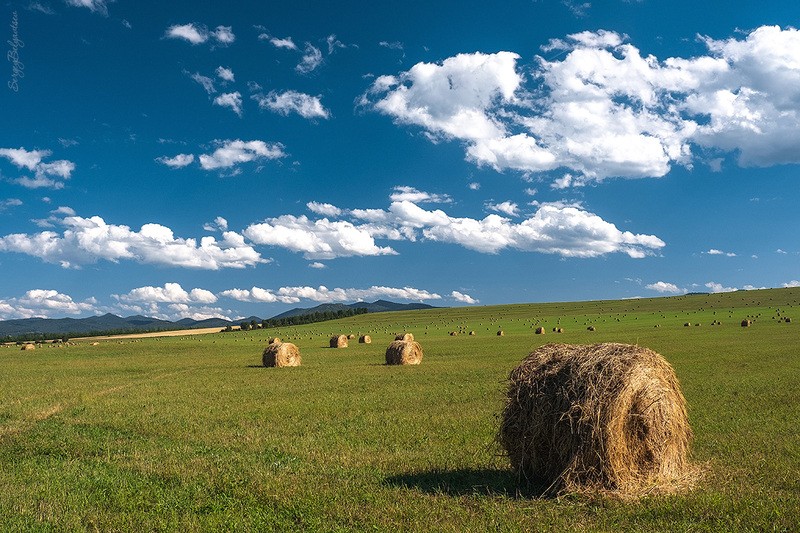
467	481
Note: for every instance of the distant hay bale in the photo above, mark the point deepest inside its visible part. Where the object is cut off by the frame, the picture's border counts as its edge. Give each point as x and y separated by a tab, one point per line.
590	328
540	330
274	340
453	333
404	353
500	333
787	320
280	354
95	344
27	347
351	336
687	324
365	339
339	341
746	323
404	337
602	417
559	330
472	333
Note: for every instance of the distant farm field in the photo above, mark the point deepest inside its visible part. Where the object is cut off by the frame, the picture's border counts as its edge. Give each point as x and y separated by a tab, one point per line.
193	434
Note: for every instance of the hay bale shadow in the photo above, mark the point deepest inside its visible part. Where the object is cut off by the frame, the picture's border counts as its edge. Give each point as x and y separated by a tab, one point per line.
469	481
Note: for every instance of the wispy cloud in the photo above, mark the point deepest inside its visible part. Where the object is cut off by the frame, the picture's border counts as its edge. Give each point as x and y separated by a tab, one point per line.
199	34
288	102
312	58
95	6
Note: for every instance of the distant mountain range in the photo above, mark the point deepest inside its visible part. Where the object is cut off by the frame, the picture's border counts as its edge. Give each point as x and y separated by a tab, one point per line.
117	324
378	306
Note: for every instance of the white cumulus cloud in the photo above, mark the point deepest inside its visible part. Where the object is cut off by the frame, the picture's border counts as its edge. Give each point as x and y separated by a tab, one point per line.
232	100
225	74
44	303
328	210
316	239
46	174
604	109
287	102
169	293
664	287
230	153
464	298
88	240
404	193
178	161
718	287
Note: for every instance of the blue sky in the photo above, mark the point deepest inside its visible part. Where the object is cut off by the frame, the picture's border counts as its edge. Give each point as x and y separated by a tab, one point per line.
227	159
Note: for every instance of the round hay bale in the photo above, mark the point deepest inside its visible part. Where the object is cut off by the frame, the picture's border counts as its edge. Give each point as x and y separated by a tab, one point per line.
559	330
339	341
500	333
787	320
687	324
280	354
365	339
274	340
404	353
27	347
746	323
472	333
404	337
351	336
600	417
453	333
590	328
540	330
95	343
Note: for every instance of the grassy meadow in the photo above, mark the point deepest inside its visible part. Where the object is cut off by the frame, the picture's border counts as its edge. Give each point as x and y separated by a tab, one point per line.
193	434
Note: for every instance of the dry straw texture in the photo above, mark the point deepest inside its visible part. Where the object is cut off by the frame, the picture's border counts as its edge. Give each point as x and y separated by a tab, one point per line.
404	337
273	340
26	347
606	418
339	341
404	353
281	354
365	339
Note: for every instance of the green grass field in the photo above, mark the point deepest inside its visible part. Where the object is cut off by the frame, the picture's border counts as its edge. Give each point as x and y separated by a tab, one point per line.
193	434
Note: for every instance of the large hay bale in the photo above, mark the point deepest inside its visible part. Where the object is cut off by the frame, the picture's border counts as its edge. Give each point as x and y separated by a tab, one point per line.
365	339
339	341
540	330
280	354
601	417
404	337
27	347
404	353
